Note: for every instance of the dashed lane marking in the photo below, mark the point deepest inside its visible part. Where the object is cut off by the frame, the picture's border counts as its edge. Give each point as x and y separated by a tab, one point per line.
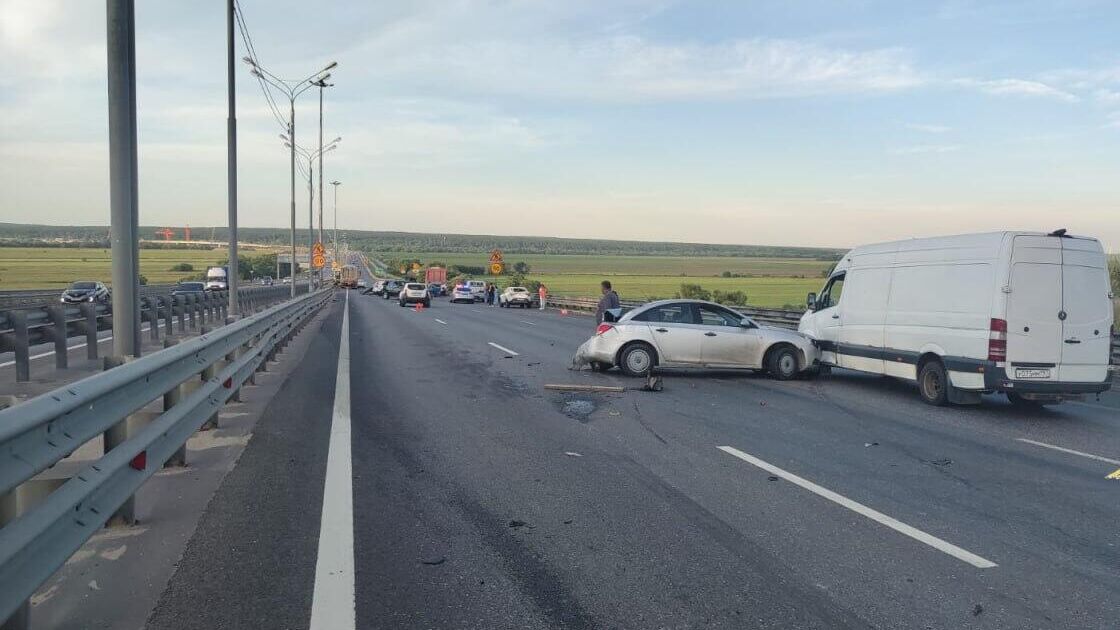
503	348
859	508
441	321
1071	451
526	323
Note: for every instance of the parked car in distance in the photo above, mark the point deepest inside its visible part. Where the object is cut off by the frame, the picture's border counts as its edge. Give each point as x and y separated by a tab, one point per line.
462	293
377	287
265	280
414	293
189	288
478	290
1024	313
362	283
515	296
85	291
287	280
391	289
695	333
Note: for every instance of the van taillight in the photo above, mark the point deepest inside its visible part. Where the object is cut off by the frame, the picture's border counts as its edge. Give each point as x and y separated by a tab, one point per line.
603	328
997	340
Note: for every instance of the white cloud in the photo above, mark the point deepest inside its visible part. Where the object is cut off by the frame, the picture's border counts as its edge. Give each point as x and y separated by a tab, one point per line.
1018	87
926	128
919	149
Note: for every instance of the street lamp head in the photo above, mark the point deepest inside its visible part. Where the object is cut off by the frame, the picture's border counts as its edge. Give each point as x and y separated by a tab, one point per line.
249	61
333	64
256	73
335	183
284	137
338	139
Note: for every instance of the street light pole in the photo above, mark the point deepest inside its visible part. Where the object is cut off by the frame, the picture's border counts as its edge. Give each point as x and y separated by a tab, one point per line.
231	151
322	84
335	184
310	226
123	188
292	90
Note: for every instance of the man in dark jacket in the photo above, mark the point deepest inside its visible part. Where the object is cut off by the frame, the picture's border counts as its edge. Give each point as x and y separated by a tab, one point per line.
607	302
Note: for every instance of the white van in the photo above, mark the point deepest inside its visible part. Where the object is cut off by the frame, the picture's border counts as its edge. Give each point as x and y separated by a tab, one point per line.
1024	313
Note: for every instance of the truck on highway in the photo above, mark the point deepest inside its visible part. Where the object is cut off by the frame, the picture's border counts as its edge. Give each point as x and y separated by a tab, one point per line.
1027	314
217	278
348	277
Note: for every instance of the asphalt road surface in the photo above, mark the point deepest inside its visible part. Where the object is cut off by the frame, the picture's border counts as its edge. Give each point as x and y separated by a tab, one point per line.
728	500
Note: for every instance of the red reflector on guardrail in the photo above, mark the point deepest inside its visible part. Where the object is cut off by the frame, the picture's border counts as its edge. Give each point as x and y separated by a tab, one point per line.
228	383
140	462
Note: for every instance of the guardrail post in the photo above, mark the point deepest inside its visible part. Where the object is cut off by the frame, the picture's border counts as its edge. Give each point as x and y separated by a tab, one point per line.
112	438
170	399
152	316
208	373
180	309
22	349
58	331
167	311
89	322
196	313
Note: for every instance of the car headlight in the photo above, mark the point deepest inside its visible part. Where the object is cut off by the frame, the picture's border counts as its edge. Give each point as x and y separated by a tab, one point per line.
91	298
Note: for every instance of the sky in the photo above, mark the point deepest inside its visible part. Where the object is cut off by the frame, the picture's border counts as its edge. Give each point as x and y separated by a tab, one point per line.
784	122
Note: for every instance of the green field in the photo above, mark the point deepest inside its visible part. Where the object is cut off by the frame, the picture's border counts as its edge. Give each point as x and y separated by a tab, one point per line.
57	267
771	292
633	265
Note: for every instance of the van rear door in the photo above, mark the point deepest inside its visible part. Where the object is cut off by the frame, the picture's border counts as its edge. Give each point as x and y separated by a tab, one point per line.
1034	332
1086	312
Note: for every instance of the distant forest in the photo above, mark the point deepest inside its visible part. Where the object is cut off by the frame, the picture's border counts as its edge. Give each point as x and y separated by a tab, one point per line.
386	242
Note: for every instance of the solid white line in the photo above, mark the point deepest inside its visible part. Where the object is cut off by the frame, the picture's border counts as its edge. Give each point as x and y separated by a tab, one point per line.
502	348
1115	462
859	508
525	322
441	321
332	603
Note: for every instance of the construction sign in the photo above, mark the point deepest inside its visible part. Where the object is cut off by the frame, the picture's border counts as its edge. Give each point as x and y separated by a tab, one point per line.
318	256
497	265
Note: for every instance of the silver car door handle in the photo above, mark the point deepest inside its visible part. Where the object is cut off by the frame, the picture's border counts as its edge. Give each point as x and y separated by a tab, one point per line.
1073	341
662	329
836	316
709	334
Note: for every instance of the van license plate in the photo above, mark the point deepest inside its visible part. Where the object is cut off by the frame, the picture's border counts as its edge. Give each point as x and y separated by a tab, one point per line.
1031	373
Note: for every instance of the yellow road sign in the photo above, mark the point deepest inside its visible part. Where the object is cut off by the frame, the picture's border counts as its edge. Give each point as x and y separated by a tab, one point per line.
318	260
496	269
318	249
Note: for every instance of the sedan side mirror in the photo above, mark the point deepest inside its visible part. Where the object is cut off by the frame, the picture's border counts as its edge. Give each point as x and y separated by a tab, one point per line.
811	301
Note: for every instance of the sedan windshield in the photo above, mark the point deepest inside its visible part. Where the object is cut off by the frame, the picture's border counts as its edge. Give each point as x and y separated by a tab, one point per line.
84	286
191	286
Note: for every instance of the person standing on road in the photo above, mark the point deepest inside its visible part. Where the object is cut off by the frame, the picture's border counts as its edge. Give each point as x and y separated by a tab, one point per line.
542	293
491	293
609	301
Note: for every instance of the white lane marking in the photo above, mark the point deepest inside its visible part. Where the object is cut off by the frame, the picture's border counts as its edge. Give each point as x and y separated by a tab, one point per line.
441	321
525	322
68	348
503	349
859	508
1115	462
332	603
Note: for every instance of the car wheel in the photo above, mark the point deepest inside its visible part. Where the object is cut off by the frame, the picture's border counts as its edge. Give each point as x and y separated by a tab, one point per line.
782	363
637	359
933	383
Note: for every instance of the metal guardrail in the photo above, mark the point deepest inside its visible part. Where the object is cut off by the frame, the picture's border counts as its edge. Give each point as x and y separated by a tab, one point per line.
193	379
772	316
26	327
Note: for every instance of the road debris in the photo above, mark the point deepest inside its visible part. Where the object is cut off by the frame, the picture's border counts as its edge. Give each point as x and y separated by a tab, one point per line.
514	524
866	444
434	561
584	388
572	454
772	478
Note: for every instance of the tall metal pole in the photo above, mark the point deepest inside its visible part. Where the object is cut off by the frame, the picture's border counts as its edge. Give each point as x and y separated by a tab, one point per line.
123	187
231	162
335	184
292	139
310	222
321	85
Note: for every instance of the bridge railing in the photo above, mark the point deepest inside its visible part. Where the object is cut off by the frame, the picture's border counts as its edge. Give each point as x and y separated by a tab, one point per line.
770	316
44	521
22	328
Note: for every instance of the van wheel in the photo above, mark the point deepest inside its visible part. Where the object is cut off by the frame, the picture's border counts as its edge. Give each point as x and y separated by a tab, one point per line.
782	363
933	383
637	360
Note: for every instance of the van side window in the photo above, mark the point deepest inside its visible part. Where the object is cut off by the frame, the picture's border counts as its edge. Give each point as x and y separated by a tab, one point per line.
830	296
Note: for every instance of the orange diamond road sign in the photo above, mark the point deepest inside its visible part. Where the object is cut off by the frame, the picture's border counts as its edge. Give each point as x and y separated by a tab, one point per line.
318	249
